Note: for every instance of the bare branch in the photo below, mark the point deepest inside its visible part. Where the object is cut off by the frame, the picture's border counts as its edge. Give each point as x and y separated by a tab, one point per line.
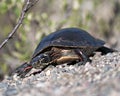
27	6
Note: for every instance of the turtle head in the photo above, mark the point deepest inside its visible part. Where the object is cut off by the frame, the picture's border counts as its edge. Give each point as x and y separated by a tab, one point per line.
44	58
41	60
22	70
38	62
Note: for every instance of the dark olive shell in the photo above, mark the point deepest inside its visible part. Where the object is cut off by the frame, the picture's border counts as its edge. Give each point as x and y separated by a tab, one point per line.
68	38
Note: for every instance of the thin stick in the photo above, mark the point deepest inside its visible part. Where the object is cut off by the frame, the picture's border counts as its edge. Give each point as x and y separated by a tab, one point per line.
27	6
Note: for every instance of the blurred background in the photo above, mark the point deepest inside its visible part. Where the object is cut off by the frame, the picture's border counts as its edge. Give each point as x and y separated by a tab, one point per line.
101	18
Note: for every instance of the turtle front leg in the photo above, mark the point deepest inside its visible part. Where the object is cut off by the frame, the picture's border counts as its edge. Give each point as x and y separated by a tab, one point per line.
83	58
23	69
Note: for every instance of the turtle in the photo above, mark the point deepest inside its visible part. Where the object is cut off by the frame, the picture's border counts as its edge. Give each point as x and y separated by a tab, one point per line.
67	45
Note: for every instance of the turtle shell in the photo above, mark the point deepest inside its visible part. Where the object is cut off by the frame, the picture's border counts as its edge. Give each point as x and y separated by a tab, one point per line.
68	38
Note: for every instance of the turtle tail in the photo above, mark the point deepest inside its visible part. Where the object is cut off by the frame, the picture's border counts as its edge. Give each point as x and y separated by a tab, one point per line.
106	50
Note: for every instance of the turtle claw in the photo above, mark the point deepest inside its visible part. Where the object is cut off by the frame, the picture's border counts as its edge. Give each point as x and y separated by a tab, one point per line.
23	70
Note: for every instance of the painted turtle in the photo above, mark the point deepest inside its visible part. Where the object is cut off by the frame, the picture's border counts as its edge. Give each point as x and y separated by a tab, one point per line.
63	46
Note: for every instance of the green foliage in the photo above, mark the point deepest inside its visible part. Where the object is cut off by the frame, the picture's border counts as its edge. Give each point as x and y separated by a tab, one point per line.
6	5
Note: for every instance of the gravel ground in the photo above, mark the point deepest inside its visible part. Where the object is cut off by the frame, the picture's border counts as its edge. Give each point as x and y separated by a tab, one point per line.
101	77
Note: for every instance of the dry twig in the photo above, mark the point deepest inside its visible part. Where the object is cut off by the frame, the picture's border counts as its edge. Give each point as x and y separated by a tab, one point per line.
27	6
